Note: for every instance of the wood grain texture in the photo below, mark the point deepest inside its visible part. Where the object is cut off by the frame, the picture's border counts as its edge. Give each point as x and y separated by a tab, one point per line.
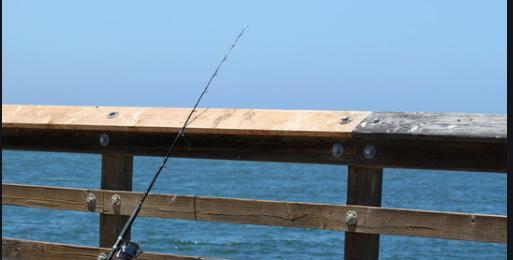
439	141
364	187
231	147
18	249
372	220
425	154
169	120
432	155
51	197
434	126
116	175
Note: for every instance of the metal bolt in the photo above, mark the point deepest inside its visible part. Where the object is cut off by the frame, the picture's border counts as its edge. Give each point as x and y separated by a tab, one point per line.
345	120
102	256
369	151
91	201
337	150
112	115
116	200
172	201
351	218
104	139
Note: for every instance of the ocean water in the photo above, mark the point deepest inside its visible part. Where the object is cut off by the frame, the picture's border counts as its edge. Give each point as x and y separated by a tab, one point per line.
415	189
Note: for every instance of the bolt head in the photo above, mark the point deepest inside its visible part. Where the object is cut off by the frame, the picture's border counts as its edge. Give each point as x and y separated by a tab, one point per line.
102	256
116	200
345	120
369	152
351	218
90	199
337	150
104	139
112	115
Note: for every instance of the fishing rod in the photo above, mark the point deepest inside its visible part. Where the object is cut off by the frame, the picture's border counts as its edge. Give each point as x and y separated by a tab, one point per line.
128	249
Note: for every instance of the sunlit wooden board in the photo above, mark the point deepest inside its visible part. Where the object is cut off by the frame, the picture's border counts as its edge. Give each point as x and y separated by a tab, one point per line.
163	120
450	141
371	220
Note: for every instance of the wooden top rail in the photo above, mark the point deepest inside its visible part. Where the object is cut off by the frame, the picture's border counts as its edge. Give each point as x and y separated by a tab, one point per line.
433	126
452	141
170	120
372	220
28	249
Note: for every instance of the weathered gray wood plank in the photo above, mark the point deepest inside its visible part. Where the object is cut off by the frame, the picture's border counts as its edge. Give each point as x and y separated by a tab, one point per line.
434	126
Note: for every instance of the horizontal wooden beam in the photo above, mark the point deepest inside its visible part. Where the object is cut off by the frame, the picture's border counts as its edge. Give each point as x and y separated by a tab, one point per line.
170	120
373	220
52	197
258	122
467	127
485	157
230	147
468	142
28	249
431	155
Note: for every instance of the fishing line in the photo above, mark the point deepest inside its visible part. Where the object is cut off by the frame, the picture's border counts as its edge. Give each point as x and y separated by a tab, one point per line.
129	249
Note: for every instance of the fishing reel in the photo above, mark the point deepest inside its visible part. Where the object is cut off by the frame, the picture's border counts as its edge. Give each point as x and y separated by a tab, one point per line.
127	251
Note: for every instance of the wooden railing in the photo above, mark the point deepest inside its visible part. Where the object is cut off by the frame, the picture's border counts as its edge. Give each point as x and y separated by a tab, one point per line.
365	141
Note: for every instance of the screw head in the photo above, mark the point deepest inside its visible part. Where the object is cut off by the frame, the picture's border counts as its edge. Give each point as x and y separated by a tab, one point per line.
345	120
337	150
351	218
91	201
112	115
102	256
116	200
172	201
369	151
104	139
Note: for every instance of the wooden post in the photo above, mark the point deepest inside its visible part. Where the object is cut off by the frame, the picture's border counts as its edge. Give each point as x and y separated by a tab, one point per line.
363	188
116	175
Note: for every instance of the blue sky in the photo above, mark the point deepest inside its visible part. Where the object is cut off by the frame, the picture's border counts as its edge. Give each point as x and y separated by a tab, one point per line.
331	55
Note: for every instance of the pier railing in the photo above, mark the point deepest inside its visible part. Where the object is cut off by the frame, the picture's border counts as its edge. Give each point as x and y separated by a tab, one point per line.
365	141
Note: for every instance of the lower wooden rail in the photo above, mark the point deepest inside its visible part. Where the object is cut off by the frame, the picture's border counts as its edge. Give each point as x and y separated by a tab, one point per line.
28	249
372	220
